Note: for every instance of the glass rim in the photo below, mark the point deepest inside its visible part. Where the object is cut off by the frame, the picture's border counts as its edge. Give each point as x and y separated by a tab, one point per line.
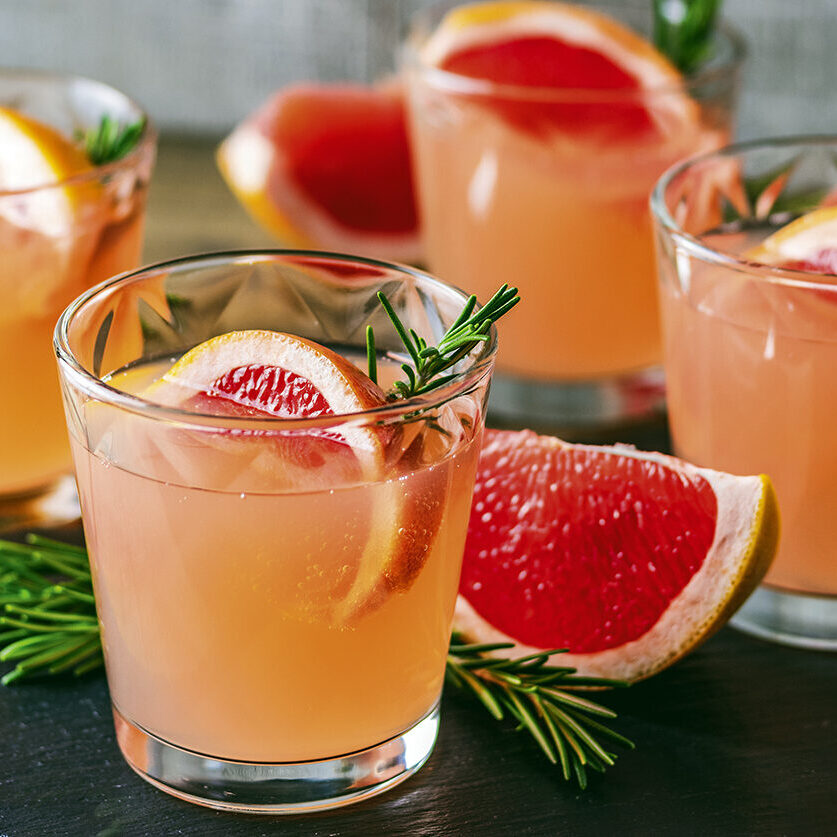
464	382
695	245
146	142
452	82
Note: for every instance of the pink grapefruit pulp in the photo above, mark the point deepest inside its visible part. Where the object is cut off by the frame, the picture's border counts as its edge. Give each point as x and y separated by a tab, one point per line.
627	559
561	67
328	166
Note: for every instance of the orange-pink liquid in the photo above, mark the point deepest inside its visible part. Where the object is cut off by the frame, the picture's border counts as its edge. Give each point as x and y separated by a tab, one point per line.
563	217
222	591
40	275
750	370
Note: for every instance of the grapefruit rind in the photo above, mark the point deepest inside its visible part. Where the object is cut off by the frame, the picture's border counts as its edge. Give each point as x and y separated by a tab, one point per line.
745	540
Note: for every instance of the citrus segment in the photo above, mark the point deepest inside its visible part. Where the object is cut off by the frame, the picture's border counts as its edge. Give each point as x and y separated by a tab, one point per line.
808	243
550	47
627	559
280	374
34	154
328	166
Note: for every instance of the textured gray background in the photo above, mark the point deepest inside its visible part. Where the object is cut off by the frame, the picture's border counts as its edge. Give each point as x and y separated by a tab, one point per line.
199	65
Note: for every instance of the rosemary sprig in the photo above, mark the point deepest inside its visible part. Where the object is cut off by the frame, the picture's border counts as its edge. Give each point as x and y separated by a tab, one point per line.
47	613
683	30
111	141
48	626
429	362
540	697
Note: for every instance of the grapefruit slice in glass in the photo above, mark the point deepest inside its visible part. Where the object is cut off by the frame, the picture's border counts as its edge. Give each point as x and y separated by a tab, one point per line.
561	67
263	374
627	559
328	166
809	243
48	226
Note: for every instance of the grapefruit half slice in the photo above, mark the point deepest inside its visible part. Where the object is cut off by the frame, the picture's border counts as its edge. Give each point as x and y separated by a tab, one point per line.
609	70
328	166
270	374
627	559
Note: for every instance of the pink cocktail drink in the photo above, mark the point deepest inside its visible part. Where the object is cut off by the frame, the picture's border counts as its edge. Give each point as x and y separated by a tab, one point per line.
275	593
750	353
255	576
548	183
65	224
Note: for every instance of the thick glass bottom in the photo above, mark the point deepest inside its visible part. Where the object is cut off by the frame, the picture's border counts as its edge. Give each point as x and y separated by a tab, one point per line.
281	788
579	409
53	505
798	619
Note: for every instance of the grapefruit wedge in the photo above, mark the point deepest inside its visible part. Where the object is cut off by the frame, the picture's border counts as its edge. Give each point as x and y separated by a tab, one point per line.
627	559
328	166
587	73
264	374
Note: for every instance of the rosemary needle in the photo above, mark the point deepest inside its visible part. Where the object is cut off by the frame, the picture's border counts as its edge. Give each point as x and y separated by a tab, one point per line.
539	697
109	141
47	612
429	362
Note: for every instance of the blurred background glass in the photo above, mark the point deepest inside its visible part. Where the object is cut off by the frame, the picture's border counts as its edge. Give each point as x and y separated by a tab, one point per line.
200	65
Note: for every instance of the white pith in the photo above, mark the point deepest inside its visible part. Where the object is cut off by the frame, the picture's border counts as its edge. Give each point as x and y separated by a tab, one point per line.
694	612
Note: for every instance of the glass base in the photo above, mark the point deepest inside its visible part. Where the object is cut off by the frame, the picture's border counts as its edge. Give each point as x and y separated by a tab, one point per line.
53	506
798	619
282	788
579	409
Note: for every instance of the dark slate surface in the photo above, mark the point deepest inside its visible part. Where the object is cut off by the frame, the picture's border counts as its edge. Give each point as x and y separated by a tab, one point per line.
738	738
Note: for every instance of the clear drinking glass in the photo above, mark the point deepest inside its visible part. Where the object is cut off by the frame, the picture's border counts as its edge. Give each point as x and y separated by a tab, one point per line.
547	189
275	612
750	358
56	239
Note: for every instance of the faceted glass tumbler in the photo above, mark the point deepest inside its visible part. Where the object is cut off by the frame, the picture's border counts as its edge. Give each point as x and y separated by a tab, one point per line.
547	188
750	354
275	594
57	238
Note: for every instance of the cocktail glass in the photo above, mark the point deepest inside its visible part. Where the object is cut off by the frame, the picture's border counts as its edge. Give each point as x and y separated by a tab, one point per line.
508	196
750	358
56	239
275	622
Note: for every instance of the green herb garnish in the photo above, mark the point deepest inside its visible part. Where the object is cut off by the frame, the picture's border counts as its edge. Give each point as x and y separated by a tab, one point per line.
683	30
111	141
541	699
48	623
48	626
428	362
